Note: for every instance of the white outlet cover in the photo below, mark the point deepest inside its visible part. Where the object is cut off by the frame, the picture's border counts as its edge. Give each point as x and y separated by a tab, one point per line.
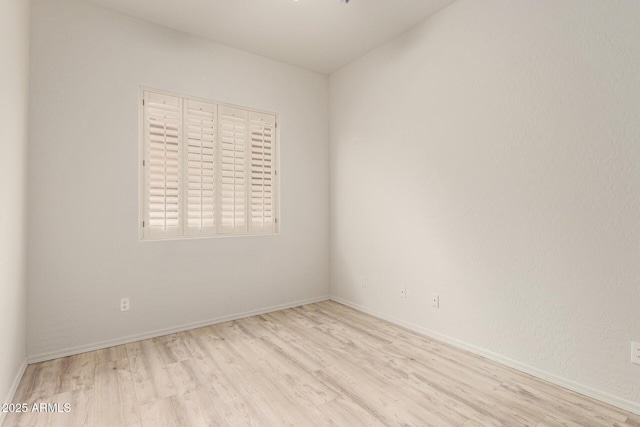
435	300
635	352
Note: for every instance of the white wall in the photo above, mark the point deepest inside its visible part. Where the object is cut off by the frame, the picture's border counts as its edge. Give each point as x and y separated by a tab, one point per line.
88	65
492	155
14	79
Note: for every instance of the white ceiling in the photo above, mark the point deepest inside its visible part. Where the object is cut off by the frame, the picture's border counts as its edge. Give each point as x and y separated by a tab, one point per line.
320	35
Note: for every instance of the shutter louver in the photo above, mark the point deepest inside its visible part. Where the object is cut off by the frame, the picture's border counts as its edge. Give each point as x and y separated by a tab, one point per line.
262	172
201	156
162	131
232	128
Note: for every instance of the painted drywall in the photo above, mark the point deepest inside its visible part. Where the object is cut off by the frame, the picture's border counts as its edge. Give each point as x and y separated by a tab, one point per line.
491	155
14	80
88	64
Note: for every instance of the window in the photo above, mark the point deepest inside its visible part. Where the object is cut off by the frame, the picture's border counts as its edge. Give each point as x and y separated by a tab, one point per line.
208	169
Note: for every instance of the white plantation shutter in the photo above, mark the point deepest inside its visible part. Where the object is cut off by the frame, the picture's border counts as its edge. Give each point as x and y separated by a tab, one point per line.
232	131
262	129
208	168
162	133
201	156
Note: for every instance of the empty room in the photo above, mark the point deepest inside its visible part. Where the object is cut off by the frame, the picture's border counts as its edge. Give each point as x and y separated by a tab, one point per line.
320	213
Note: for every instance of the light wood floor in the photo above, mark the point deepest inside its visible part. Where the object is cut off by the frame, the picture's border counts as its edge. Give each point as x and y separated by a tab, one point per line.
317	365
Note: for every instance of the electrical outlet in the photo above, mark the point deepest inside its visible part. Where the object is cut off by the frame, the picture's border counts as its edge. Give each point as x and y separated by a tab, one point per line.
363	282
635	352
403	291
124	304
435	300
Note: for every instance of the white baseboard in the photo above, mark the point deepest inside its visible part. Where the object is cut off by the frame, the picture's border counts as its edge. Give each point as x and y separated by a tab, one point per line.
160	332
621	403
13	389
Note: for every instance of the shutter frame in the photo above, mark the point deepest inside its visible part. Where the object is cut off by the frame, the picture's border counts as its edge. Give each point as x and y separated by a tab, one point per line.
208	169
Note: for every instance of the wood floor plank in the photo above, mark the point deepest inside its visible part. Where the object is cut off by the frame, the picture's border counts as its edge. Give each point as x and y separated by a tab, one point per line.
78	372
197	400
159	412
301	354
171	348
633	420
398	379
375	397
345	412
320	364
564	405
82	408
46	380
151	381
115	398
111	354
